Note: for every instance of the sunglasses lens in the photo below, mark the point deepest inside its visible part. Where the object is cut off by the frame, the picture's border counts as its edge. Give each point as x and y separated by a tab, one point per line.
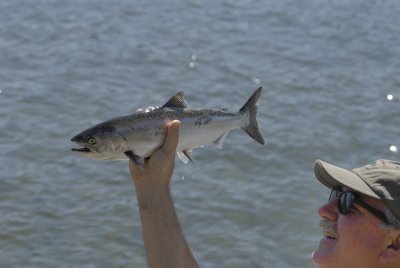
345	202
335	192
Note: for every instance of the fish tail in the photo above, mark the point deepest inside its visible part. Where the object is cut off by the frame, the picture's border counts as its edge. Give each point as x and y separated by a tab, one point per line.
251	107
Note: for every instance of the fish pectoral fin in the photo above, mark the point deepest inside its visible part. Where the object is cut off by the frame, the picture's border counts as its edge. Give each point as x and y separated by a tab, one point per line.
220	141
135	158
185	156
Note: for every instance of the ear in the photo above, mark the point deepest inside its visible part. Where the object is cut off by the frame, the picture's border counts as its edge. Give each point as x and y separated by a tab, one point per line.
392	252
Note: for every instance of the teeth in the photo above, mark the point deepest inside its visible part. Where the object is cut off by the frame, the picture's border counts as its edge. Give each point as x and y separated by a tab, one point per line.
330	235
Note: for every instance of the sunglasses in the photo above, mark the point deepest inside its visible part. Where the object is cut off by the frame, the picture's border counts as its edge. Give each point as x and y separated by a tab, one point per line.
346	200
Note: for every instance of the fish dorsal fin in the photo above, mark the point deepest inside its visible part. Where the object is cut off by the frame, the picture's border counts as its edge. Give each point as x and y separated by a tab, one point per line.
176	101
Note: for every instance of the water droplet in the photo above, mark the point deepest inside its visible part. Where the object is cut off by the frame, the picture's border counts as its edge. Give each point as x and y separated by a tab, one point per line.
393	148
193	57
192	65
183	177
389	97
0	91
256	81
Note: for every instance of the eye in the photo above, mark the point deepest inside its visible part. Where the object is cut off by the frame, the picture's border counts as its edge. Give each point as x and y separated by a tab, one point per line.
92	141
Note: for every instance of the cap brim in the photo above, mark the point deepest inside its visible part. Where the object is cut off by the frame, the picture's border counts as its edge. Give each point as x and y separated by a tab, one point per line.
332	176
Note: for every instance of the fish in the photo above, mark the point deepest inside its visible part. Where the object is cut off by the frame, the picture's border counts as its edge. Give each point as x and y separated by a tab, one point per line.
138	135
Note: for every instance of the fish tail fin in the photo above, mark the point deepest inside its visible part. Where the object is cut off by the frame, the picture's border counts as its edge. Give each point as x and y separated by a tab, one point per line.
251	107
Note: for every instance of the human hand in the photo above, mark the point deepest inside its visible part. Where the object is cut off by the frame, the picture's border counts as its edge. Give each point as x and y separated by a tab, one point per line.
158	168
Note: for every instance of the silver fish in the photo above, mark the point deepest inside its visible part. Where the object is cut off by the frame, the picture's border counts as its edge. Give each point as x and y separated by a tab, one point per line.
138	135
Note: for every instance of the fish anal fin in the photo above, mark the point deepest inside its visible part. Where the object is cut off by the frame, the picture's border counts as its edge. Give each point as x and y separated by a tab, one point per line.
135	158
185	156
177	101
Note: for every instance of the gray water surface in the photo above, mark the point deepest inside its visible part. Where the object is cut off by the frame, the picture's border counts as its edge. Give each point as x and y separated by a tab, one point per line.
326	67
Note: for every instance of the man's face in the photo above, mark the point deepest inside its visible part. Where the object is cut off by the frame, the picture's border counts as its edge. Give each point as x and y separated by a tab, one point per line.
352	240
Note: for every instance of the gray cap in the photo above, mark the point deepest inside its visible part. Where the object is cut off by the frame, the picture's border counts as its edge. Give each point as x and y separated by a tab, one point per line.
380	180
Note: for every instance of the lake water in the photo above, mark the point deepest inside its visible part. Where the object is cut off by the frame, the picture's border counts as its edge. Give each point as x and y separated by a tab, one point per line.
328	69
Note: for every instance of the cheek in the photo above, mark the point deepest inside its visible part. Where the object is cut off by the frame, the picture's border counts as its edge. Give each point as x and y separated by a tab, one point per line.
360	235
112	144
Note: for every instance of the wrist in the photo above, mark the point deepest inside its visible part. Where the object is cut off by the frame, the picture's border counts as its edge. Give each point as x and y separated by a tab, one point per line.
152	195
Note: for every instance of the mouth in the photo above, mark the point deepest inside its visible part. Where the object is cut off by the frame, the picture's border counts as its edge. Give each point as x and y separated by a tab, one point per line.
81	150
329	229
330	235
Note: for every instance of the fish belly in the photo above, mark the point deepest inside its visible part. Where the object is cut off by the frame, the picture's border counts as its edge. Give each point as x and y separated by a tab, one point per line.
194	136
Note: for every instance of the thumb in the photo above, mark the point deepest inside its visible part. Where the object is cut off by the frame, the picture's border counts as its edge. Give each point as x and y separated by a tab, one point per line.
136	172
171	141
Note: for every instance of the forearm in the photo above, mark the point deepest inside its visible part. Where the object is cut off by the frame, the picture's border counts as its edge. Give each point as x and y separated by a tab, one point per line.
163	239
162	235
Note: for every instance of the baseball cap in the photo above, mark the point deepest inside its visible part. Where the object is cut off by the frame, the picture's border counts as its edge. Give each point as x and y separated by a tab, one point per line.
380	179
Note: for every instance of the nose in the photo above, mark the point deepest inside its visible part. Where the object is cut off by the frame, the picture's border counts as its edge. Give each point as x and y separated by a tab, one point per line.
329	210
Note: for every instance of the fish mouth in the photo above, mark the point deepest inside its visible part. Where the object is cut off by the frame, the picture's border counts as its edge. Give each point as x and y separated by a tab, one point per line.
81	150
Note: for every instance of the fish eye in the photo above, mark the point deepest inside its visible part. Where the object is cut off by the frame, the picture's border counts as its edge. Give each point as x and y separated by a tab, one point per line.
92	141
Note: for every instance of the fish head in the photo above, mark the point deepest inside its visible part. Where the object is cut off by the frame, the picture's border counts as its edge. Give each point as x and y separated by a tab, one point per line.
99	142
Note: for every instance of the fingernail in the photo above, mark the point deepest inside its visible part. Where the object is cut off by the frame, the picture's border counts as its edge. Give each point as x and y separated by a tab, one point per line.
175	124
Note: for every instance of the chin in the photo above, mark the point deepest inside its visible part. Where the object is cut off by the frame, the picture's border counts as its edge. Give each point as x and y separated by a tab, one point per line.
325	255
315	259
